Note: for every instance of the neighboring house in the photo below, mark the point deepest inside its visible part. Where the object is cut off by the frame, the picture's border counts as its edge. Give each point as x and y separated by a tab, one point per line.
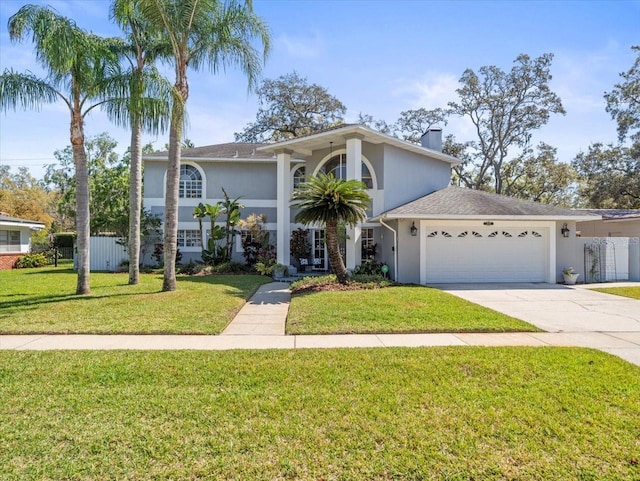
614	223
15	238
424	230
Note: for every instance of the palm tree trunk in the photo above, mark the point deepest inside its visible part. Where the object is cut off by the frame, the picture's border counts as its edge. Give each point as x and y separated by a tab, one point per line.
135	203
171	200
82	202
333	247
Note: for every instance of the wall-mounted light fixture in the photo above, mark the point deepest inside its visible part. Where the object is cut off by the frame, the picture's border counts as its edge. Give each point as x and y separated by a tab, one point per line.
414	229
565	230
488	223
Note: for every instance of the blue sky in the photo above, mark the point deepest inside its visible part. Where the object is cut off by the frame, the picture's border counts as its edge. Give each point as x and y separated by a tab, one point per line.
378	57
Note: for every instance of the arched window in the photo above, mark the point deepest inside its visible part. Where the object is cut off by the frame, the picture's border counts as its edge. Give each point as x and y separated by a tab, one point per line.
190	182
337	165
298	176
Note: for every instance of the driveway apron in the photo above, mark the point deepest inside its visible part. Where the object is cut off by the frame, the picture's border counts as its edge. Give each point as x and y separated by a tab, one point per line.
555	308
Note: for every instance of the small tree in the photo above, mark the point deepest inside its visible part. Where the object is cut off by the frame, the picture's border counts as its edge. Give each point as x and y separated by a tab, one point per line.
329	201
300	245
256	242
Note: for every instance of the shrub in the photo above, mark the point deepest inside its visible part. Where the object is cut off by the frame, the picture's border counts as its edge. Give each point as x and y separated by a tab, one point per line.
313	282
191	268
370	267
371	281
300	245
31	260
231	268
330	283
158	255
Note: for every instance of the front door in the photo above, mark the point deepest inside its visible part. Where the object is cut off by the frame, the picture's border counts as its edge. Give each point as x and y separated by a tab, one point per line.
319	250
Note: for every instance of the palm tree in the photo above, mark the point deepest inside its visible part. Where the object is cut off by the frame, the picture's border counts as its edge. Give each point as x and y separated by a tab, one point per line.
329	201
77	63
200	212
145	94
202	33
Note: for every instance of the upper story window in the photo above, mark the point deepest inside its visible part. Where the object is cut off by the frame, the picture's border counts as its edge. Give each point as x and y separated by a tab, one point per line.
337	165
190	182
9	240
299	176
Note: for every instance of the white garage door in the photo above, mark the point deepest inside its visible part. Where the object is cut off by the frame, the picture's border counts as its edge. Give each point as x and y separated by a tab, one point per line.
486	255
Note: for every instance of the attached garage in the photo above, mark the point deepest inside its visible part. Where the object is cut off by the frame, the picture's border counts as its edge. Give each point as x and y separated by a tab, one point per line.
485	254
458	235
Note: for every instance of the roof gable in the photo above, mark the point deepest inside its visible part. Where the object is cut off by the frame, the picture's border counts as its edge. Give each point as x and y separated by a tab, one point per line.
305	145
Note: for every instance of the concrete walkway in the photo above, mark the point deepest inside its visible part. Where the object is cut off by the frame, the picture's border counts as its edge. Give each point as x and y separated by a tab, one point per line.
260	324
625	345
265	314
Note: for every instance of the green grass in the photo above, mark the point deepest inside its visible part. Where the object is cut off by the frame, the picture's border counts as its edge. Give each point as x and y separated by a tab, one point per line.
632	292
400	309
354	414
42	301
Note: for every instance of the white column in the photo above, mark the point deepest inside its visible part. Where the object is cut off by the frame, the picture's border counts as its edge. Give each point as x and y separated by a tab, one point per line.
354	171
282	203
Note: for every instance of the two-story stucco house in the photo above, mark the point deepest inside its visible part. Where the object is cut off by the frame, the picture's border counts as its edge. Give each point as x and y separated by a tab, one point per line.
425	230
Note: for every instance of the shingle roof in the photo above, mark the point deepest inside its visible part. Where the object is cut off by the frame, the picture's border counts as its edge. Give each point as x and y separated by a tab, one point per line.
615	214
228	151
15	220
458	201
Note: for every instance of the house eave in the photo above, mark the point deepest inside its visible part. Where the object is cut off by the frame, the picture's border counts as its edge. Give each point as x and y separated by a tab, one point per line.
304	146
221	159
624	219
30	225
487	217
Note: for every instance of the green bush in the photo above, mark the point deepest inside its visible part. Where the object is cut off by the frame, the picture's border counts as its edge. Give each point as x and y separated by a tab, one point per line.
31	260
371	281
369	267
64	239
313	281
231	267
191	268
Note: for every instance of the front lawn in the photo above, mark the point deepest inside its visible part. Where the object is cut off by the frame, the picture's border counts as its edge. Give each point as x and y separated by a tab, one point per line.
398	309
632	292
42	301
353	414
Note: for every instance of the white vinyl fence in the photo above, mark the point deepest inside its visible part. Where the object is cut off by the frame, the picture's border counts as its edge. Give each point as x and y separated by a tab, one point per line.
105	254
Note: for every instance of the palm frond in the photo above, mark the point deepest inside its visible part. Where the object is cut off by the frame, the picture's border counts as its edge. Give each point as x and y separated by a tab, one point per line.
26	91
326	199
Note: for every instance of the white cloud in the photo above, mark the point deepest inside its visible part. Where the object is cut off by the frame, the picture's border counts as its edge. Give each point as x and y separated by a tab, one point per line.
301	47
432	90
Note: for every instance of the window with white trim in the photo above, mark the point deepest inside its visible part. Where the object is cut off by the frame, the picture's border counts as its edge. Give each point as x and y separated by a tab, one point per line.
337	165
299	176
190	182
242	237
189	238
368	244
9	240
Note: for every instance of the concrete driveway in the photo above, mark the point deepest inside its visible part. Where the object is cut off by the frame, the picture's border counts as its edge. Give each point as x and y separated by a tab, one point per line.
556	308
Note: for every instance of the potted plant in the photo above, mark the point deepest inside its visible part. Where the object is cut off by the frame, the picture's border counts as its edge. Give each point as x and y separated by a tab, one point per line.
280	271
570	276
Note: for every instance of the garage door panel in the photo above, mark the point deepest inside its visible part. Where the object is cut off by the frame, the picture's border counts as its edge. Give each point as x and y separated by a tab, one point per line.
486	255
